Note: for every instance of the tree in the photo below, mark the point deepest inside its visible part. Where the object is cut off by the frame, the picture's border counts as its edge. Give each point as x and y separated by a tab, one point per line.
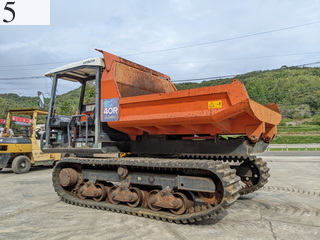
302	111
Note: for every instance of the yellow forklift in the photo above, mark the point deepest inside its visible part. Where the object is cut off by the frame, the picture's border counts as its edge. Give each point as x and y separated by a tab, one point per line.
20	151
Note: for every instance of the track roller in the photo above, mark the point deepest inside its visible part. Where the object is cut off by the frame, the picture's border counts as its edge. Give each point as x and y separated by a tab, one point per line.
176	202
96	191
132	196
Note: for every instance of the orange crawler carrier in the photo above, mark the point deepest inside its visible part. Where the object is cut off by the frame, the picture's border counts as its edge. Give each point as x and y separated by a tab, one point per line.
187	153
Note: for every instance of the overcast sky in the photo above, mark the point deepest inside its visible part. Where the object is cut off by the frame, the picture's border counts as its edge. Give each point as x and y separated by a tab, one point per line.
185	39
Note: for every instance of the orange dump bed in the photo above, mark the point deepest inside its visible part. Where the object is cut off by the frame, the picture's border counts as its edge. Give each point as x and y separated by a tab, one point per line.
147	101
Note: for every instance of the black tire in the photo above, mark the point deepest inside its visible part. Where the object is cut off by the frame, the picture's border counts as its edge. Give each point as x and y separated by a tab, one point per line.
0	169
21	164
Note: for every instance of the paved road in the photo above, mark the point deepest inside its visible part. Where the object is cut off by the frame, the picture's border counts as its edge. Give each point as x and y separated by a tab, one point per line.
308	145
303	154
287	208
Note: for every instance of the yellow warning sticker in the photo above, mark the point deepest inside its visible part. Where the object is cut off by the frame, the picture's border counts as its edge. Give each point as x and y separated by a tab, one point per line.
215	104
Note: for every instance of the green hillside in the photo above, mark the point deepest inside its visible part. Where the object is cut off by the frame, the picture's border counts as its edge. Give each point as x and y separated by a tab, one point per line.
296	90
66	104
13	101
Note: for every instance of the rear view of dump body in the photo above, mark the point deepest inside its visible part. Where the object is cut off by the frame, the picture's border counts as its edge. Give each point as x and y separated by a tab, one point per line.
187	152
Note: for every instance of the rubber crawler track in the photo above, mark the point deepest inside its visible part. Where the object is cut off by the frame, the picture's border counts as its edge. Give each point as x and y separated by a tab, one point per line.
260	165
263	176
230	182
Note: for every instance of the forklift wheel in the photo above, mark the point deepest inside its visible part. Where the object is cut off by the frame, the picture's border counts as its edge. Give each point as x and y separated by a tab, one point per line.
21	164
